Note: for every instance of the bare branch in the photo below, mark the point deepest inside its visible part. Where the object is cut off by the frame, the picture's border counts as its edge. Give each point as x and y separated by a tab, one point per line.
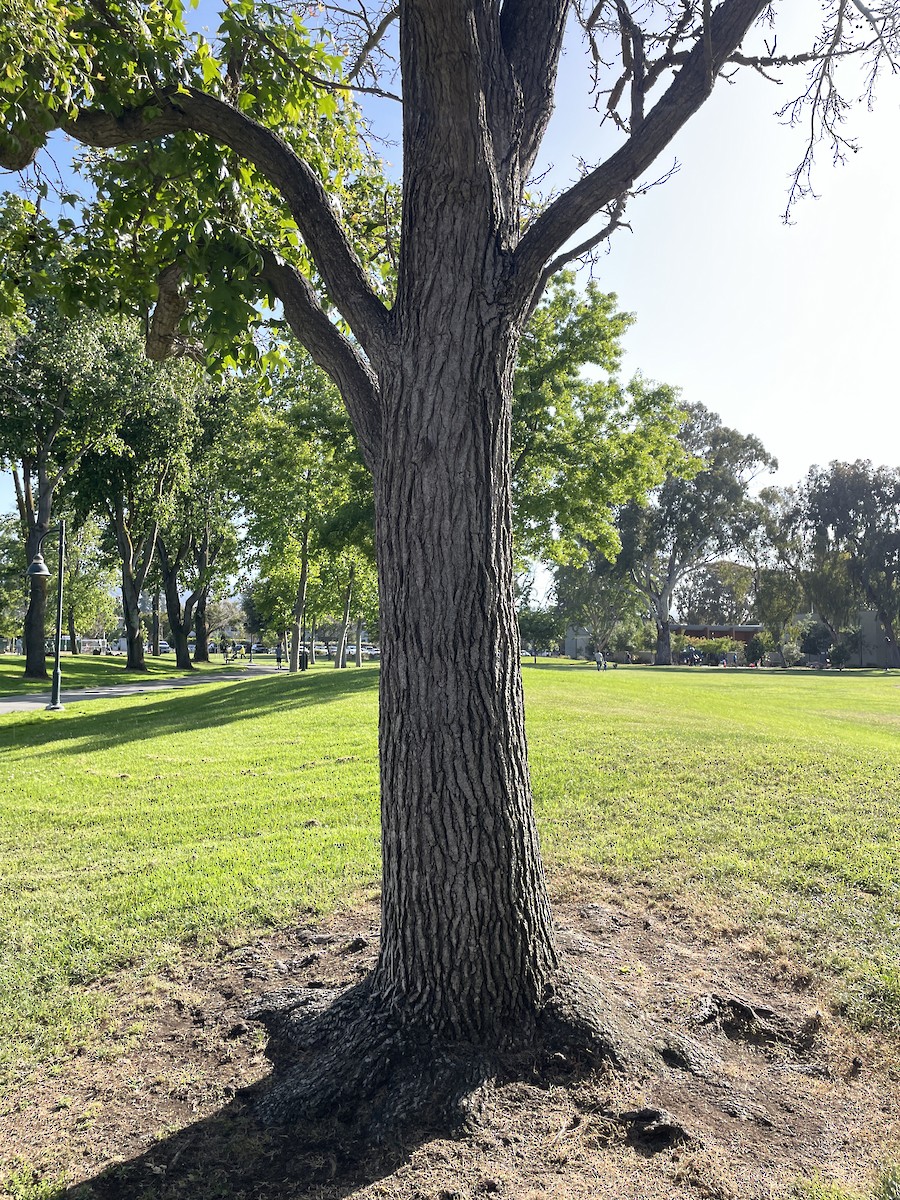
373	40
614	177
615	222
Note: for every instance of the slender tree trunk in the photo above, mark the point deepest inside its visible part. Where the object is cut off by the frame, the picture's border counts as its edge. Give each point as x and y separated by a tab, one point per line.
312	645
135	565
340	654
179	618
300	601
460	848
154	623
201	627
359	629
37	518
73	638
34	632
131	609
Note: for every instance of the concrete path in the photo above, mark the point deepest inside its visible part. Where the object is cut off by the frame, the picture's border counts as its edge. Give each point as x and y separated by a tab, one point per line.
40	700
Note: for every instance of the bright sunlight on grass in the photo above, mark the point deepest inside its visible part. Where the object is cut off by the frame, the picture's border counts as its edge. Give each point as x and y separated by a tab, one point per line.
90	671
129	826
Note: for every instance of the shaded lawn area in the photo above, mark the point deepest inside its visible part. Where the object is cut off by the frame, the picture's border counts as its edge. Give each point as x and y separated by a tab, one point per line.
90	671
129	827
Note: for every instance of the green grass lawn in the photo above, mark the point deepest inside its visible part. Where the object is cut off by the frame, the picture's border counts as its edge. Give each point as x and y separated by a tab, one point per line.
129	827
90	671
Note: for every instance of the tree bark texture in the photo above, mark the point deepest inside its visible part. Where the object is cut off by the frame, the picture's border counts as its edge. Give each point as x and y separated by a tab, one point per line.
460	848
467	947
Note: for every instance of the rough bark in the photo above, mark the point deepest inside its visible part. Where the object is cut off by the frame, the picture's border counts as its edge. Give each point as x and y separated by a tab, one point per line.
663	642
467	954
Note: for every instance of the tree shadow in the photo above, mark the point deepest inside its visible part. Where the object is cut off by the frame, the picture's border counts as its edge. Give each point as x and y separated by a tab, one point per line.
177	711
230	1154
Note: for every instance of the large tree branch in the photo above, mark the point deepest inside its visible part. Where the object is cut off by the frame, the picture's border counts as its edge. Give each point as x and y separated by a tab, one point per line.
686	94
303	191
333	352
531	32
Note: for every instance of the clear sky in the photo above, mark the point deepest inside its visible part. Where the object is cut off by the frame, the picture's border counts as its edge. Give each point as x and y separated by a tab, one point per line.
787	331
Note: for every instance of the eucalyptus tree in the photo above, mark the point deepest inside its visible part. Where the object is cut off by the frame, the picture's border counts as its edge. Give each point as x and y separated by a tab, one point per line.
596	596
853	510
720	593
241	189
689	522
787	539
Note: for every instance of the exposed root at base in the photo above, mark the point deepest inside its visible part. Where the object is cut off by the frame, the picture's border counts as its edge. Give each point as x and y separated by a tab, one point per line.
344	1056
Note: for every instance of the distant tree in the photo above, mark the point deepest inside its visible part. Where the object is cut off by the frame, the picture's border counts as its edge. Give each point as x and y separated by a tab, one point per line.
134	481
581	444
786	539
598	597
777	598
62	396
690	522
539	627
88	582
719	594
13	585
853	510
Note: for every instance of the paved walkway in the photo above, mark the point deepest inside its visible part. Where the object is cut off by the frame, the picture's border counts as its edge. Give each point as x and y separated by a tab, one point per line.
40	700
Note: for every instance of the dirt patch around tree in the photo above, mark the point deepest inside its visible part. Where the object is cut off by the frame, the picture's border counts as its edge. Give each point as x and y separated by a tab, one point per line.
759	1083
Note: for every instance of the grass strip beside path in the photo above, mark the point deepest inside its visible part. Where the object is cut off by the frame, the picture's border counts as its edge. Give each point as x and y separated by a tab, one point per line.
91	671
130	827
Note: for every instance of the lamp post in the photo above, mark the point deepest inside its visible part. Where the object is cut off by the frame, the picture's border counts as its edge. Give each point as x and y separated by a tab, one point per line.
37	567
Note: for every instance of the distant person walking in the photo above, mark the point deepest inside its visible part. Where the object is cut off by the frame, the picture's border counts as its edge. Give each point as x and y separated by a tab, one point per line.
600	661
278	656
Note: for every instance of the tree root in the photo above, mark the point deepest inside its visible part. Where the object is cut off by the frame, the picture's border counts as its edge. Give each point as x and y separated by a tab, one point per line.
345	1057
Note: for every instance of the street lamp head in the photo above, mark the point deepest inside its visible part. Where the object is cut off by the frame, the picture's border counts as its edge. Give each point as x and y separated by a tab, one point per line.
38	567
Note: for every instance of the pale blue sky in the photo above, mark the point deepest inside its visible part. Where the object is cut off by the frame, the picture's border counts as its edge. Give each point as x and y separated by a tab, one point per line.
789	332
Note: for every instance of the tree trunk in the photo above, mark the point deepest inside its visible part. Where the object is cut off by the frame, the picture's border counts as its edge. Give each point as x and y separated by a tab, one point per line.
179	618
467	948
663	643
73	639
135	565
201	627
131	609
312	645
34	632
154	623
300	602
340	654
359	628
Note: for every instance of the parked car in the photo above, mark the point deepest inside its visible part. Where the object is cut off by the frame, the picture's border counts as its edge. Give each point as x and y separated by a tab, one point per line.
164	647
259	648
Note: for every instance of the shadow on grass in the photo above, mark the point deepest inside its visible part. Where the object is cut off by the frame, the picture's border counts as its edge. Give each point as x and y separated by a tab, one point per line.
188	709
229	1155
